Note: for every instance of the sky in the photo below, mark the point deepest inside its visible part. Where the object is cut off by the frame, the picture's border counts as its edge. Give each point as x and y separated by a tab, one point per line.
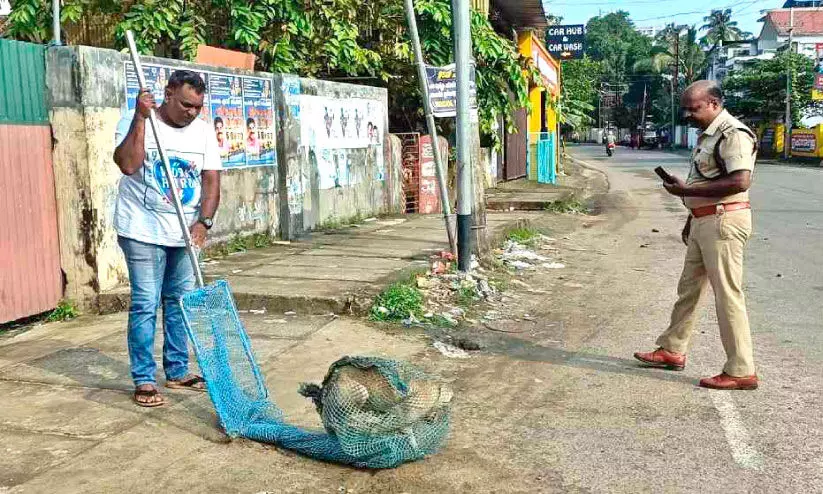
661	12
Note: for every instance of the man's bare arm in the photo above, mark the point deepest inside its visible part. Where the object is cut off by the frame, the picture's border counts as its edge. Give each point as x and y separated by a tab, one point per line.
211	193
131	153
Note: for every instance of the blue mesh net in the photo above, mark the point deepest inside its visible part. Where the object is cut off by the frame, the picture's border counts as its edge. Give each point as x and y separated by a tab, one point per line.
378	413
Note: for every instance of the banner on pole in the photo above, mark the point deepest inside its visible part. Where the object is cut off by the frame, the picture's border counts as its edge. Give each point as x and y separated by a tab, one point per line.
442	82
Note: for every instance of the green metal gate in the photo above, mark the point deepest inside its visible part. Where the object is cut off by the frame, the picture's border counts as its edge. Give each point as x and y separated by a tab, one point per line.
30	276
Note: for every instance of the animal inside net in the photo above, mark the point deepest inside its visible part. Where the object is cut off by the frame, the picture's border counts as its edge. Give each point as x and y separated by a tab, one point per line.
378	413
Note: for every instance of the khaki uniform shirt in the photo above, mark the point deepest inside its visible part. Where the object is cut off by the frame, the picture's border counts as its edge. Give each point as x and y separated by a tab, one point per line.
737	150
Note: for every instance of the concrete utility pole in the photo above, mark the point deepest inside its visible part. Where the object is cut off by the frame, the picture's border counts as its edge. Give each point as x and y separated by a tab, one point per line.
462	57
787	140
674	115
438	159
643	111
676	59
55	22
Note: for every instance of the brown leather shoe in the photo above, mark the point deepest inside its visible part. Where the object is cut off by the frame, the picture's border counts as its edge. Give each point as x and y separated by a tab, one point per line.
663	359
725	381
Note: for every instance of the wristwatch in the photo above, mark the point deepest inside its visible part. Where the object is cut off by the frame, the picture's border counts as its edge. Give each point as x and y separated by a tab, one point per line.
207	222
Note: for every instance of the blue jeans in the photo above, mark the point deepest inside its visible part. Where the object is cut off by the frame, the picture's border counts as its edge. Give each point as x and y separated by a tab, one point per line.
157	274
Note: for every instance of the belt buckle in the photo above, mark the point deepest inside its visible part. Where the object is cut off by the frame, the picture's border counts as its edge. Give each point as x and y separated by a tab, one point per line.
720	209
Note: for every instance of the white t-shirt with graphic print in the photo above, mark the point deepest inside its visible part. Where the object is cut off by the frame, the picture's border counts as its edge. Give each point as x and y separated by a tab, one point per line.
144	210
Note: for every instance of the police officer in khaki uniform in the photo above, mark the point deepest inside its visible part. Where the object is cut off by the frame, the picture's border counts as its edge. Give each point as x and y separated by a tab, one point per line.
716	233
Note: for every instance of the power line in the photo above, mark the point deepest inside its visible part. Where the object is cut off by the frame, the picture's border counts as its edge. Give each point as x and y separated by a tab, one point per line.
702	11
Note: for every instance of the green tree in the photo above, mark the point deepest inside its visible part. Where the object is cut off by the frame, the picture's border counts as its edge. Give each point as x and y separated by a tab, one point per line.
613	40
676	44
758	91
578	93
361	41
720	27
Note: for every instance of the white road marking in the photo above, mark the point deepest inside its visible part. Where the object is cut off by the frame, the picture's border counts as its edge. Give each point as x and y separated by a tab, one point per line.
736	434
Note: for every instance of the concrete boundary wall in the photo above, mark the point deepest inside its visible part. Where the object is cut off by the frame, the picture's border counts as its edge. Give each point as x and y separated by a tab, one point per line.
366	181
86	92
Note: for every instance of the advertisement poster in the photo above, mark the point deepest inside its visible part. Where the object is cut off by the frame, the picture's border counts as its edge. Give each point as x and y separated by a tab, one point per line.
240	109
259	121
767	141
442	83
429	192
804	143
157	76
330	123
227	114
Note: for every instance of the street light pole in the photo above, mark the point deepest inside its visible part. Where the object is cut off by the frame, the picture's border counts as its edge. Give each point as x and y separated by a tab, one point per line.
676	59
55	22
674	110
462	57
438	159
787	140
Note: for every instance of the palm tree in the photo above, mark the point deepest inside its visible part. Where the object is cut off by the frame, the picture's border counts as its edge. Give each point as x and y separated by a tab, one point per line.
676	42
720	27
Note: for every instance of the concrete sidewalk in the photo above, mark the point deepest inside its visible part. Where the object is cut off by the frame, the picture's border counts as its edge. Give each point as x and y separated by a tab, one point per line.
68	424
334	271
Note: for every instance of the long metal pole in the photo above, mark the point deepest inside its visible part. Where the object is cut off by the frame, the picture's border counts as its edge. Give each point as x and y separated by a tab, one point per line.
643	111
55	22
676	59
175	195
438	159
674	126
462	57
787	139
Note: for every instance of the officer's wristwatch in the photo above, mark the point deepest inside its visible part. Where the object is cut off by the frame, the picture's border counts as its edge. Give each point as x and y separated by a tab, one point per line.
207	222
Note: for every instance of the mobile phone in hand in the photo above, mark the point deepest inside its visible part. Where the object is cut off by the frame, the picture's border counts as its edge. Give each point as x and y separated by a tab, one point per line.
663	174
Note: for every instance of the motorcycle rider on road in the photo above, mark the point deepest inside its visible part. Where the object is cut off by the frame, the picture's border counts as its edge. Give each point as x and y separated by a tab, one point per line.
610	140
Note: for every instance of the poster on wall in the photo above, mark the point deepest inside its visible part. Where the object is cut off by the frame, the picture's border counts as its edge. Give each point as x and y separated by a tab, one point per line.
227	109
767	141
334	168
239	108
259	120
330	123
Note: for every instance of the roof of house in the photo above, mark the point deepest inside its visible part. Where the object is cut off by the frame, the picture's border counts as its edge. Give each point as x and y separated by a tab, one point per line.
522	13
807	22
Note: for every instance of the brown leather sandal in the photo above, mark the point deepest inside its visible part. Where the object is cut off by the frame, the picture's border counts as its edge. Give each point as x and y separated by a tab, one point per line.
192	383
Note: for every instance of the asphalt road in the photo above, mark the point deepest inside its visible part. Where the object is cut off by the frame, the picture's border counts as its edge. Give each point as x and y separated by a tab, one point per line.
773	435
784	270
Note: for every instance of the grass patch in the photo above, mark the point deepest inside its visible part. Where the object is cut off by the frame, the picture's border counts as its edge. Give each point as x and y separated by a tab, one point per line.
65	311
499	283
524	235
240	243
569	205
397	302
466	296
336	223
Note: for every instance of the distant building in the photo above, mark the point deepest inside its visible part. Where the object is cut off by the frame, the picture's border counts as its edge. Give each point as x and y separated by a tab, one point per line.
807	30
650	31
733	55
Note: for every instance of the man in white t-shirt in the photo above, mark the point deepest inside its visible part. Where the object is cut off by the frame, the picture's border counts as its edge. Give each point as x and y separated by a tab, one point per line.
148	229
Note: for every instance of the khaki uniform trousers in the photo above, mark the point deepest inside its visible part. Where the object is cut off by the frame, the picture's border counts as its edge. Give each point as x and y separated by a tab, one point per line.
715	255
